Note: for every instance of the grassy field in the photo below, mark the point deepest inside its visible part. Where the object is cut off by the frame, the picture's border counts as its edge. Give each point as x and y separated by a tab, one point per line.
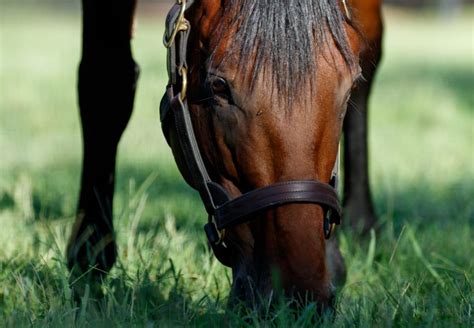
418	272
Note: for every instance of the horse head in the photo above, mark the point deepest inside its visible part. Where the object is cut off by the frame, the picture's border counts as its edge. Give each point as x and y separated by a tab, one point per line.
267	83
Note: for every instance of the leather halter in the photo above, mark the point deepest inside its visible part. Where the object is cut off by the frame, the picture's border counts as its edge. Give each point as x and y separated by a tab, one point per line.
223	210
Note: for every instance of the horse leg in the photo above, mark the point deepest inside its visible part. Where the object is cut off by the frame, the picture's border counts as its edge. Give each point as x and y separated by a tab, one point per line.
106	89
358	206
357	200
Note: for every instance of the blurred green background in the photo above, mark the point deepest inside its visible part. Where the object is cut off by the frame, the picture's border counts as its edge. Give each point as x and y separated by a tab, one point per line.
419	272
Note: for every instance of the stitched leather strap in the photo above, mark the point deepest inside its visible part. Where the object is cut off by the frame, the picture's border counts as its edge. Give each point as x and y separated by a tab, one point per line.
238	210
191	152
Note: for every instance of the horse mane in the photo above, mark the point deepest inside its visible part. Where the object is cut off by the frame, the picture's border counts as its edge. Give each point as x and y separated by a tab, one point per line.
279	36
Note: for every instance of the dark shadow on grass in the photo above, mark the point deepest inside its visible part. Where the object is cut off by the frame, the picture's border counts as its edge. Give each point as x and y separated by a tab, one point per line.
6	201
426	204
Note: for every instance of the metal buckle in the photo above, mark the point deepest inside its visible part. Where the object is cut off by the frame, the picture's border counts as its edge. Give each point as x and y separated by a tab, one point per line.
181	24
183	72
328	226
214	235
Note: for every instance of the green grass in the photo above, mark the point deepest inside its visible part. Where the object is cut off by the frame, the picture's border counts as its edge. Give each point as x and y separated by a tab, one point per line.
417	272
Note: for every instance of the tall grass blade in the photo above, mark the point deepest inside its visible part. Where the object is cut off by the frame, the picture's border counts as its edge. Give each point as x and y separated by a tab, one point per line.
426	263
371	250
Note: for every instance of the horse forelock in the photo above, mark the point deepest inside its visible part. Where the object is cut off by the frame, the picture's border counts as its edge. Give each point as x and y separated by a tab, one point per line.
279	40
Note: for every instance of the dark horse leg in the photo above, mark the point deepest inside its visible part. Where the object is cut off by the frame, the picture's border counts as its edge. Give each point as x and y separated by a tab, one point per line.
106	86
358	206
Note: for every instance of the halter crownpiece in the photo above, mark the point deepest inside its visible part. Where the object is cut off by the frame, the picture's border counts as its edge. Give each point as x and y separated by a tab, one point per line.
223	210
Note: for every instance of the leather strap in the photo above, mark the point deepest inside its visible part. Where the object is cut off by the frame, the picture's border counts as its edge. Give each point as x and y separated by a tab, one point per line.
176	56
191	152
171	54
238	210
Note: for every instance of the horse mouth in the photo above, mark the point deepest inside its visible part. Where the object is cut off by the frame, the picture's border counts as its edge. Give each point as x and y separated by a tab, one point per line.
266	300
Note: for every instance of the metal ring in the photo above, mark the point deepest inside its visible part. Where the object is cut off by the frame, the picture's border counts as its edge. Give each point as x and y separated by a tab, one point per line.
183	72
221	237
328	226
328	233
181	24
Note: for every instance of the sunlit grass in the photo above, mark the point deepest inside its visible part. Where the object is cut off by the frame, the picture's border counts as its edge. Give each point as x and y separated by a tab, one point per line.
417	272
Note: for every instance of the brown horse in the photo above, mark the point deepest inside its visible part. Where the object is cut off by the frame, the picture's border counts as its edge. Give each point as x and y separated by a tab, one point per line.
268	83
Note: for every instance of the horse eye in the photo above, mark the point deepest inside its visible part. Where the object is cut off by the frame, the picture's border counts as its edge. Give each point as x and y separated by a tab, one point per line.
219	86
220	89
